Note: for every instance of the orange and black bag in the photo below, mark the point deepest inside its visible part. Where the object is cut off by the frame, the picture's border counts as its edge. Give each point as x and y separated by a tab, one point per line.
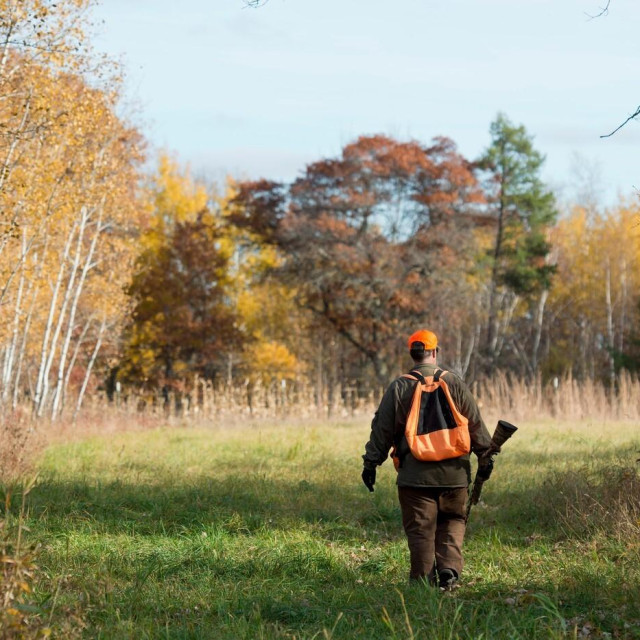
435	429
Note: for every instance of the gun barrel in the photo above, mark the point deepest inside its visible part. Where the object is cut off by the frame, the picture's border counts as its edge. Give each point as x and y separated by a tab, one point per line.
504	430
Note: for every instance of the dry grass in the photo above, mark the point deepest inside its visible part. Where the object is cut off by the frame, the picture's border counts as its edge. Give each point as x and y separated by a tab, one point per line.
18	569
20	443
22	438
23	613
568	400
592	500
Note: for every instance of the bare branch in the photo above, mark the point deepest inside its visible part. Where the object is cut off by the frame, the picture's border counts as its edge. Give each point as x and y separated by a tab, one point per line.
631	117
604	11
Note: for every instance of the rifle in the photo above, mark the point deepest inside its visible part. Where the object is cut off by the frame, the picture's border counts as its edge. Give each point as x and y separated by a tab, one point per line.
504	430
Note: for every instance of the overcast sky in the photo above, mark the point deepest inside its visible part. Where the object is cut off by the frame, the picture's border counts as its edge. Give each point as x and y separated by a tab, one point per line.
261	92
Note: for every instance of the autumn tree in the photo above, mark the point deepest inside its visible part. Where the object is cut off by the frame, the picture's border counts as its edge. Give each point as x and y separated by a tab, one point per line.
180	317
68	190
367	238
267	314
183	321
594	303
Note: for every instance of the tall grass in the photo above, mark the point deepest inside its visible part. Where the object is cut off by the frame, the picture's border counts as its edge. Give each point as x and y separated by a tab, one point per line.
563	399
21	441
18	617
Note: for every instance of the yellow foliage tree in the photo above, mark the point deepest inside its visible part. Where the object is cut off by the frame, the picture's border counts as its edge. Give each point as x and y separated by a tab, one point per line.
183	320
68	196
594	302
266	308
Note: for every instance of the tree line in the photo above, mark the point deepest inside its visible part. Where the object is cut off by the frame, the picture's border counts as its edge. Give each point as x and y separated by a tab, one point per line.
112	278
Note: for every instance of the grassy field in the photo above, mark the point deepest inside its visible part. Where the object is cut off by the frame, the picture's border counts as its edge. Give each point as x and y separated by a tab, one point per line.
266	531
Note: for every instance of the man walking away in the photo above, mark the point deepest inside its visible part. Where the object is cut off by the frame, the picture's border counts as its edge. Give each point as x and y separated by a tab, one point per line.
433	462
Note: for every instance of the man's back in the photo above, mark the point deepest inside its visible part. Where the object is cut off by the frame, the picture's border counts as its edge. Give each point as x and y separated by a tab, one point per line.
388	427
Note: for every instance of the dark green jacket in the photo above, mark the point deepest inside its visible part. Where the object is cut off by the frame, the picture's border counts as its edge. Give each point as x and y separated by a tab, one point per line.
390	419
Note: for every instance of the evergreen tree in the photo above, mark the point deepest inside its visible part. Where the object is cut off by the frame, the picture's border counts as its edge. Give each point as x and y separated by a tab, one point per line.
523	209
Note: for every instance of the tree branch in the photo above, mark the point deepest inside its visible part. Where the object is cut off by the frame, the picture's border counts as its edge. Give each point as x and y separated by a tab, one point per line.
603	11
631	117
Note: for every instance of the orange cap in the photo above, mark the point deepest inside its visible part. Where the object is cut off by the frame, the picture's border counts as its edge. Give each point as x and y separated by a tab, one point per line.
428	339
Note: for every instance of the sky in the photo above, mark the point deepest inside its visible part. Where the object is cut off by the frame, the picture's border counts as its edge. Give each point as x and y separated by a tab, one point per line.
233	90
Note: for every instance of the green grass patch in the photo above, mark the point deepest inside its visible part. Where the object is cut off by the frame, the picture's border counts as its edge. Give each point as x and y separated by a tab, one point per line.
266	531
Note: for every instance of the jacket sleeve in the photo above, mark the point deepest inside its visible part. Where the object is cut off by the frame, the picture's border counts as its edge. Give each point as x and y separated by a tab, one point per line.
382	430
467	406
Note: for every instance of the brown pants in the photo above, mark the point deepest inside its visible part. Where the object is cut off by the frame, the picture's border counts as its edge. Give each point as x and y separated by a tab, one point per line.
434	521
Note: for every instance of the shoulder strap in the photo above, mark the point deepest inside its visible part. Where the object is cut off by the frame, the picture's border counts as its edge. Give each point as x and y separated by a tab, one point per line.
417	375
397	438
438	374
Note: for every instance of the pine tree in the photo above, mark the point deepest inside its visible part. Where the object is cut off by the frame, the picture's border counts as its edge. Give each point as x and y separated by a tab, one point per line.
524	209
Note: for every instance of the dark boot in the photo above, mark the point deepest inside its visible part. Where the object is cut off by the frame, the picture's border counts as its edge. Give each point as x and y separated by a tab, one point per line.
447	579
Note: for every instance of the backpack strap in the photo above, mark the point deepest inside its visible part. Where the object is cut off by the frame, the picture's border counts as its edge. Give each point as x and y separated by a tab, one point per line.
437	374
418	376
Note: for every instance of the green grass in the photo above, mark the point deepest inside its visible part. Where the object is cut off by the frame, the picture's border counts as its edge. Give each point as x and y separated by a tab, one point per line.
267	532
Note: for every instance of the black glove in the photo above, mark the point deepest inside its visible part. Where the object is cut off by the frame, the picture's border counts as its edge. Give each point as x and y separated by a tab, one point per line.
485	467
369	478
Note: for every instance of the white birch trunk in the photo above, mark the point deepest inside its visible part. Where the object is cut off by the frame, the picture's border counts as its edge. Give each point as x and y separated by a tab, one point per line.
504	324
5	364
538	330
610	332
23	345
37	394
467	357
72	361
5	171
5	49
88	263
34	284
87	375
53	347
11	350
623	304
457	360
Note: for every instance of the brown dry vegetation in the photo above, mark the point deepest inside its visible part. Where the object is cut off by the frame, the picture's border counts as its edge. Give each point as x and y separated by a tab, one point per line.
592	498
20	444
17	572
22	438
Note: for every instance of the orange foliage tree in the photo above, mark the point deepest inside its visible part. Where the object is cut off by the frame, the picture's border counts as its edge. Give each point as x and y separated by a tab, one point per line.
183	319
372	241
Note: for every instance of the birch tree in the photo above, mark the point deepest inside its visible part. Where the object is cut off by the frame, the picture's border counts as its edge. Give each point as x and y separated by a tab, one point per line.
70	199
